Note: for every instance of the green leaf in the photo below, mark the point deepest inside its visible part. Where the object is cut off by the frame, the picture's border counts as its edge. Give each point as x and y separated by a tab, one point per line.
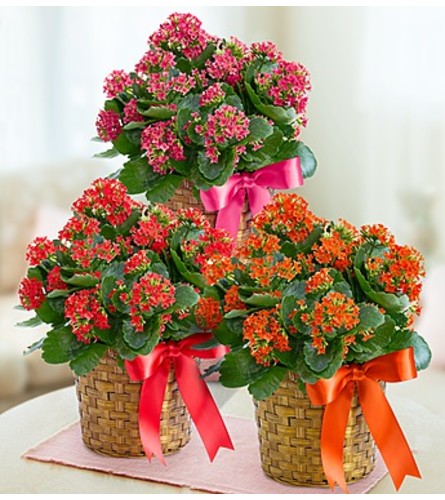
47	314
163	188
109	153
194	278
422	352
236	313
293	249
212	171
281	116
239	369
259	129
54	294
33	347
112	105
207	53
185	297
370	317
88	359
208	344
61	346
326	364
35	272
124	144
226	336
137	175
392	303
268	383
292	149
262	300
184	65
133	338
158	112
82	280
134	125
35	321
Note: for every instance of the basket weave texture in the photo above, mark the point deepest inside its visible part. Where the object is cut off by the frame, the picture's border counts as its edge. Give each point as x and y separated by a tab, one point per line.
289	429
184	198
108	407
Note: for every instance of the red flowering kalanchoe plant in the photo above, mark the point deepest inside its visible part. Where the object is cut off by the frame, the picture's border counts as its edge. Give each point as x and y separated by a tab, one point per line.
198	107
120	276
306	295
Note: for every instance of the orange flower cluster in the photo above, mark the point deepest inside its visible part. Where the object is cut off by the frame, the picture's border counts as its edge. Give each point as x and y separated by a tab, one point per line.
287	216
336	247
321	281
208	313
232	299
333	311
258	244
216	268
264	335
264	269
399	271
378	232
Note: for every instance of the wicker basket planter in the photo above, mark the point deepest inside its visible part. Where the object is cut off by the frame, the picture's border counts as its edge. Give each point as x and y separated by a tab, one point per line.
108	406
289	430
184	198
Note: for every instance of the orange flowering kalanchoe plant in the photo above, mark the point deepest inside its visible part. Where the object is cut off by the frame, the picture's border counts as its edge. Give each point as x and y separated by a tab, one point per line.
121	276
308	295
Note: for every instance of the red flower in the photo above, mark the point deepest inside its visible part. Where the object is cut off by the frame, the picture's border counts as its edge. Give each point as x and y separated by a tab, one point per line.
54	280
31	293
39	250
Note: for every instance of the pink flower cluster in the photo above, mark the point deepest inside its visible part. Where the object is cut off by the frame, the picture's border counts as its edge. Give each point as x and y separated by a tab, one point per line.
229	61
212	96
155	61
268	50
85	313
162	145
226	124
287	85
116	82
108	125
182	34
131	113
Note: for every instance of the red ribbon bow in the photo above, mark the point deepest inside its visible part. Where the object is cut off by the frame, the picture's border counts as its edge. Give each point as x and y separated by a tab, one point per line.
228	199
337	393
154	369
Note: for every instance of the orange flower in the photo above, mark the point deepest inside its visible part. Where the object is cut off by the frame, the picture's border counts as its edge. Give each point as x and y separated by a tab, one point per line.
208	313
232	300
319	282
264	334
216	268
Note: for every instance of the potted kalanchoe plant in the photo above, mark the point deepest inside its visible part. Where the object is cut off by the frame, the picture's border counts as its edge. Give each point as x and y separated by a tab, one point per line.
122	282
307	302
199	108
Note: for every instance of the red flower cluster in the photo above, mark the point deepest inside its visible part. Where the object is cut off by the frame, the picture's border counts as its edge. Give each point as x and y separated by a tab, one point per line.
39	250
107	199
31	293
54	280
85	313
265	334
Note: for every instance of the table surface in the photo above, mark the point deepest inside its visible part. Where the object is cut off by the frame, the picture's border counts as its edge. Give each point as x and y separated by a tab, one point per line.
418	404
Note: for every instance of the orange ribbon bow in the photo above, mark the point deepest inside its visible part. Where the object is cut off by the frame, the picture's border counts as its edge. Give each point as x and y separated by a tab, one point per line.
337	393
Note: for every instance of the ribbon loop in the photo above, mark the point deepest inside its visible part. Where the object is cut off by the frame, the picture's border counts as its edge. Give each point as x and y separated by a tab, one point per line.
154	369
228	200
337	393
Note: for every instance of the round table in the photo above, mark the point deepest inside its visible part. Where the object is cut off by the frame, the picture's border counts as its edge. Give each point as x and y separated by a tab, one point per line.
418	405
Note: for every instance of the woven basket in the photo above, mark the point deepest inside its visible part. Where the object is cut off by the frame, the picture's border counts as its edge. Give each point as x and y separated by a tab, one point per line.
184	198
108	406
289	429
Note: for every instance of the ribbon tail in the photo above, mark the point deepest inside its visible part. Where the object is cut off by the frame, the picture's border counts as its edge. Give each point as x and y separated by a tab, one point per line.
335	421
259	197
387	432
202	407
150	408
229	217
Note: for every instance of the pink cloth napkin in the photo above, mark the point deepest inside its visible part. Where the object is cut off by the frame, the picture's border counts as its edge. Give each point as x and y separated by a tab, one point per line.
231	472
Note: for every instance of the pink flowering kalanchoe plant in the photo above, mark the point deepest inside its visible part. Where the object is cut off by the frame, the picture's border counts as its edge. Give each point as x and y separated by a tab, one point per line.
198	107
120	276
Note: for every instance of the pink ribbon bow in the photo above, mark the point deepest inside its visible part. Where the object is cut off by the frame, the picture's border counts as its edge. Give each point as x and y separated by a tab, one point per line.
228	199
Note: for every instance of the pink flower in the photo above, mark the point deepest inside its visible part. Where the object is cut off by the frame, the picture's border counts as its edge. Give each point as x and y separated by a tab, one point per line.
116	82
181	34
155	61
267	50
108	125
161	145
182	84
131	113
229	61
158	85
212	96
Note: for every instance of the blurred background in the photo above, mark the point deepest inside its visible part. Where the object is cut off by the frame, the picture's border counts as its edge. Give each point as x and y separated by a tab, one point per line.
376	124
